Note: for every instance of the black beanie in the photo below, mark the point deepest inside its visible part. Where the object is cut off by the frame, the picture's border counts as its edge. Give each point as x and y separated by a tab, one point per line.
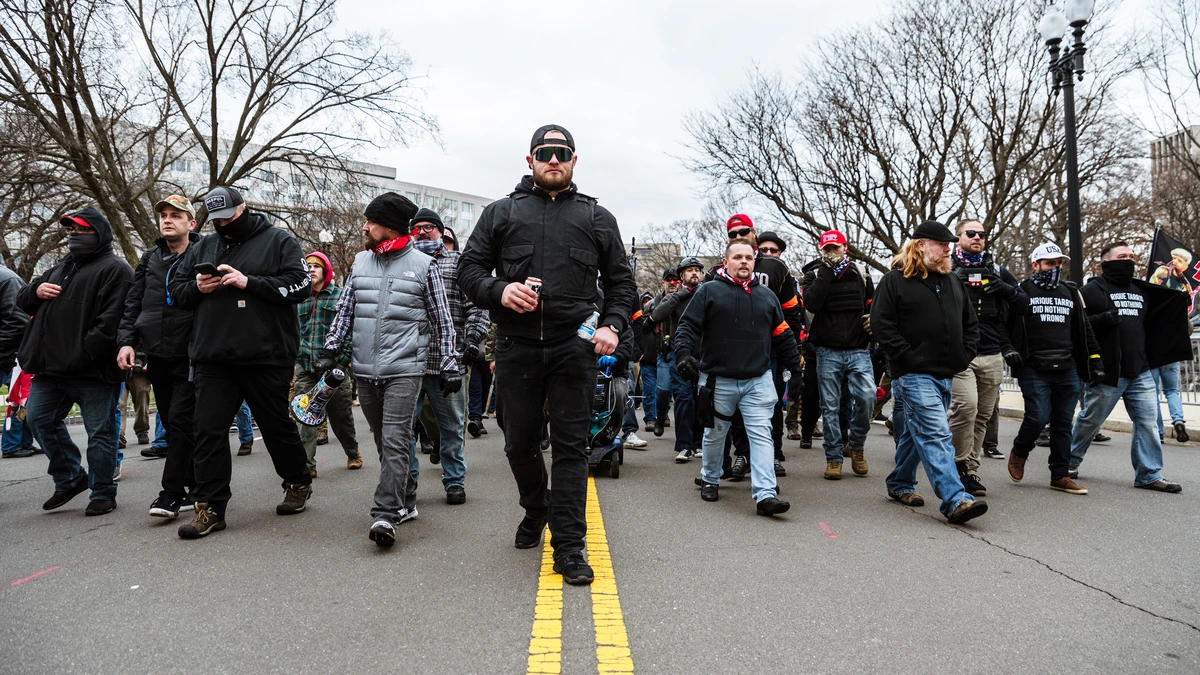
429	216
391	211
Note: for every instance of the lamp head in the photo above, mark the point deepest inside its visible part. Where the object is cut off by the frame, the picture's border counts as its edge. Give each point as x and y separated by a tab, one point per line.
1078	12
1053	25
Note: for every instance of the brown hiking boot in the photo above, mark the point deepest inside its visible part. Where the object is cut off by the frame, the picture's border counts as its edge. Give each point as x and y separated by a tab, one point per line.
1016	467
204	522
966	511
294	499
858	462
907	498
323	436
354	462
833	471
245	448
793	432
1065	484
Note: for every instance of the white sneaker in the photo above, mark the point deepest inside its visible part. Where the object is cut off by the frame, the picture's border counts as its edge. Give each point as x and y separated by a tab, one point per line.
117	473
683	456
409	515
632	441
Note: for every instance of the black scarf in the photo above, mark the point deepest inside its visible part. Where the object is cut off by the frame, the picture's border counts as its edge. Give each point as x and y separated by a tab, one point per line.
83	246
1119	272
237	229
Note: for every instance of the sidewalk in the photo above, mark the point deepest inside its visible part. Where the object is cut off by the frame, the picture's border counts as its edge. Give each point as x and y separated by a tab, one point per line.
1013	405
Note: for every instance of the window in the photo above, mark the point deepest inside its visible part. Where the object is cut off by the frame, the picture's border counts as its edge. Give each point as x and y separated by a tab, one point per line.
268	176
448	222
431	202
468	210
449	206
370	191
182	165
413	197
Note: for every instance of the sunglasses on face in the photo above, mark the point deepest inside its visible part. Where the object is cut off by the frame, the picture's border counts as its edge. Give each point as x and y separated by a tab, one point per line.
544	154
768	249
741	232
971	234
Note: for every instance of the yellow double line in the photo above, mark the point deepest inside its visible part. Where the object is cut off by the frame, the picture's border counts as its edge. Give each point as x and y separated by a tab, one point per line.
612	642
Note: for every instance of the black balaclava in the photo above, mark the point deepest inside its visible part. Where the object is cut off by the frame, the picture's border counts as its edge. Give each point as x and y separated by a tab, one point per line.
82	245
237	229
1119	272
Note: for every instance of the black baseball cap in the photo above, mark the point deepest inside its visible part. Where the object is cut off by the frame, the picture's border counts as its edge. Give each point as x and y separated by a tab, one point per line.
932	229
222	202
539	137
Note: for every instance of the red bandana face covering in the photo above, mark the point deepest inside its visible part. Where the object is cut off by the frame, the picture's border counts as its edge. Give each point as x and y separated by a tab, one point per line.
744	284
388	245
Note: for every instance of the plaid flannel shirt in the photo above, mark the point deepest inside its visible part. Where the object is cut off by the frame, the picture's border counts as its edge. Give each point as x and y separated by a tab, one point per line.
470	322
316	315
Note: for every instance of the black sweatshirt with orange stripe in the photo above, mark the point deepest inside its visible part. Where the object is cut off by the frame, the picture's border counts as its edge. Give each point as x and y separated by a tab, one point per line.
732	330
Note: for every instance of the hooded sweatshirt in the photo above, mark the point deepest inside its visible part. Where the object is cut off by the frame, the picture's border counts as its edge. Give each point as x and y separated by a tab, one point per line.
316	315
75	334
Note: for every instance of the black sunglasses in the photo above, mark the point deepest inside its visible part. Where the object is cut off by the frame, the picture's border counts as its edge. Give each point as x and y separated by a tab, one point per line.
971	234
734	234
544	154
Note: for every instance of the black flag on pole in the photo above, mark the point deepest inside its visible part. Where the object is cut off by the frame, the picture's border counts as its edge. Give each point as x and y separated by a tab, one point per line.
1175	266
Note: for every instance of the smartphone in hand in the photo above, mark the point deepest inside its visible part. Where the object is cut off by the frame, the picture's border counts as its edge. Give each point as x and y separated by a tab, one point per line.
208	268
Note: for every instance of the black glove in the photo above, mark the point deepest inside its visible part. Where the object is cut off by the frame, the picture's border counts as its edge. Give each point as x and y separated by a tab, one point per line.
1012	357
797	371
451	382
1095	372
688	367
471	352
996	285
1112	317
325	362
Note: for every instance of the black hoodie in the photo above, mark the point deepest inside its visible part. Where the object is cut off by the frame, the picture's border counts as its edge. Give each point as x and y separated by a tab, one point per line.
75	334
257	325
153	322
1165	325
565	241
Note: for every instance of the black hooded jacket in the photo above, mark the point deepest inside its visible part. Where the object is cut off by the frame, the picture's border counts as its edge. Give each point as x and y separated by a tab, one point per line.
153	322
75	334
565	241
12	320
254	326
1166	325
926	326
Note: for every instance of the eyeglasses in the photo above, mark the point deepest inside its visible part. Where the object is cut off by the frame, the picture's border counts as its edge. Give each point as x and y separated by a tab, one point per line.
741	232
544	154
767	249
425	227
971	234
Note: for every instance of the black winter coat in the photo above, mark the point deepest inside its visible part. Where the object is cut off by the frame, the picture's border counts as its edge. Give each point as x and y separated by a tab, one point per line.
925	326
837	306
565	241
1166	325
12	320
153	322
75	334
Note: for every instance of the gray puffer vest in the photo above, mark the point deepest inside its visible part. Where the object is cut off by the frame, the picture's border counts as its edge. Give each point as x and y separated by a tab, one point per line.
391	326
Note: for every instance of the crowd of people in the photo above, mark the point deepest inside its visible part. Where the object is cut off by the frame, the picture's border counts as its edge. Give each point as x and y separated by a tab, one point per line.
242	319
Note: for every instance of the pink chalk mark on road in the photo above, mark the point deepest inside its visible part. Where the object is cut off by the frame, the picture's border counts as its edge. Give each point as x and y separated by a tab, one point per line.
31	577
826	530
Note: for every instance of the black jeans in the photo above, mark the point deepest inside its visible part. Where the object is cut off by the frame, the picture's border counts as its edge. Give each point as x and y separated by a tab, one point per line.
810	397
175	396
563	373
1049	399
220	389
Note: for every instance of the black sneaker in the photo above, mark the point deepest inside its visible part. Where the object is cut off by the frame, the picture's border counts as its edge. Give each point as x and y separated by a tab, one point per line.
187	504
204	522
994	453
17	454
740	466
772	506
709	492
1181	433
779	470
61	498
456	494
1073	472
165	507
383	534
1101	438
473	428
574	569
153	452
805	442
143	439
435	455
1043	439
99	507
529	533
1163	485
970	481
295	498
658	427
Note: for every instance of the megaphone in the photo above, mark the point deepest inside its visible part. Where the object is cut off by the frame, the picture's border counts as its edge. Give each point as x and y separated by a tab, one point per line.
309	408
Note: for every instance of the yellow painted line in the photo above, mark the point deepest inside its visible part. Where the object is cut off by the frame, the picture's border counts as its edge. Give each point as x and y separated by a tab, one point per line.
545	641
612	642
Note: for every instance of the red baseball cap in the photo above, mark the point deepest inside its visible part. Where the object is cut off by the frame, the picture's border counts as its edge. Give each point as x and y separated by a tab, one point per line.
738	220
832	237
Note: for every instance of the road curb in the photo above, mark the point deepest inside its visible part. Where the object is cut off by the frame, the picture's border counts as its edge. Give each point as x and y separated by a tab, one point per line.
1110	424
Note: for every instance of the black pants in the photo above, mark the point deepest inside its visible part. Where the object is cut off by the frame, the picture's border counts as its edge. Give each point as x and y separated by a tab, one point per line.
1049	400
175	396
810	397
220	390
564	374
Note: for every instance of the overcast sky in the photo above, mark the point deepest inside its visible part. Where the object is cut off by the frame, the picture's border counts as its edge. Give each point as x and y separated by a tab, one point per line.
619	75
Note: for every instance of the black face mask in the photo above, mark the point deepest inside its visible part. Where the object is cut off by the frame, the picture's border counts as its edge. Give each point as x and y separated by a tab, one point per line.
1119	272
82	245
237	229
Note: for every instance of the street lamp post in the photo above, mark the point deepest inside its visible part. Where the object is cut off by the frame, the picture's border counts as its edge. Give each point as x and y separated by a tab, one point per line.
1066	63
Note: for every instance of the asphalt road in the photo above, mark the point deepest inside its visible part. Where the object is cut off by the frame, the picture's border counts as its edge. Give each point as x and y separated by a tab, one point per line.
845	582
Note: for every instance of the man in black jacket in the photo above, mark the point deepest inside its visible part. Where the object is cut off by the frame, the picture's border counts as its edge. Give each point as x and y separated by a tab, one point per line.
1058	351
244	345
995	296
839	296
12	328
1139	326
734	322
546	229
155	324
70	347
923	319
665	311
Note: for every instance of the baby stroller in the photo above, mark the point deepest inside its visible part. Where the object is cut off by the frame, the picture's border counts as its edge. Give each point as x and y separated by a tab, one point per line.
608	406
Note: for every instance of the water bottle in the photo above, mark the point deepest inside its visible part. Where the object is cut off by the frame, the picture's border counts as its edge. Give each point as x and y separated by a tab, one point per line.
587	329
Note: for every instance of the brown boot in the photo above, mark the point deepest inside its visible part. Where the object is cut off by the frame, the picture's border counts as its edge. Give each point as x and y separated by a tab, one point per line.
354	462
1016	467
1065	484
833	471
858	462
245	448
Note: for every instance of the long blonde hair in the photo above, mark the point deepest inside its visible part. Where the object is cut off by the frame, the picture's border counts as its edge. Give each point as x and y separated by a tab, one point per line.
911	260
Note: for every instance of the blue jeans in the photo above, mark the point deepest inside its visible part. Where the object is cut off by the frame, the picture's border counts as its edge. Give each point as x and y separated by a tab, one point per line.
756	400
244	425
451	413
16	434
629	423
160	432
922	433
117	421
650	393
50	401
1166	378
685	401
478	388
1050	398
852	367
1141	402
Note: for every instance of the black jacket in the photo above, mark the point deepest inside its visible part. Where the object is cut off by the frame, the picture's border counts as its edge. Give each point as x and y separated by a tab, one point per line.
643	329
75	334
154	323
1083	341
735	331
774	274
1166	325
257	325
837	306
992	309
925	326
565	241
665	311
12	320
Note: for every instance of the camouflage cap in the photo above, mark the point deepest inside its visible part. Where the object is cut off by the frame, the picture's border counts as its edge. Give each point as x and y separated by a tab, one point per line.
177	202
